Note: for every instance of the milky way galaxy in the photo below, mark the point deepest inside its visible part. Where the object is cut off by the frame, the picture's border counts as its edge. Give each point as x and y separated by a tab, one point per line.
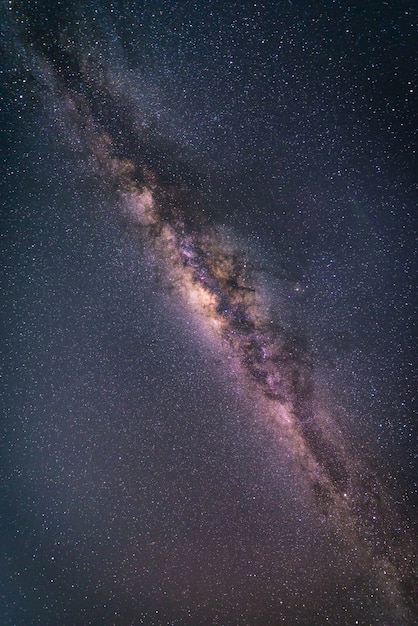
160	196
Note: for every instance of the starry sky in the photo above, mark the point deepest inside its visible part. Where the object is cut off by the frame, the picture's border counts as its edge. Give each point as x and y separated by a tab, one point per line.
208	301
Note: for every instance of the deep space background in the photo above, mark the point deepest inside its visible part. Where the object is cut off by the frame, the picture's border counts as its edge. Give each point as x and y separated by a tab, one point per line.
139	484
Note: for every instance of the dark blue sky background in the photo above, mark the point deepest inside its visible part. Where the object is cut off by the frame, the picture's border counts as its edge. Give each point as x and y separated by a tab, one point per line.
137	485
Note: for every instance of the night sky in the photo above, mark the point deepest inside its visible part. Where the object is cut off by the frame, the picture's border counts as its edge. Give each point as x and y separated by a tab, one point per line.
208	301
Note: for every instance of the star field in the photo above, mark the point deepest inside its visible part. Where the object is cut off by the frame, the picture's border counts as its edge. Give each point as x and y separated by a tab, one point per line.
209	358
